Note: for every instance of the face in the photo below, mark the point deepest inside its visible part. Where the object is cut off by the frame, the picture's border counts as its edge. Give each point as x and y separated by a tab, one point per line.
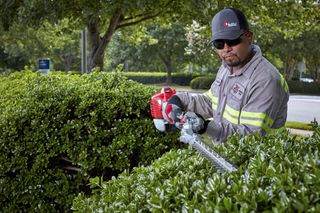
236	55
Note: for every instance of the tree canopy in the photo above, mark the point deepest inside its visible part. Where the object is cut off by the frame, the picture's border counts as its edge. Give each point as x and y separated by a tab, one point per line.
270	20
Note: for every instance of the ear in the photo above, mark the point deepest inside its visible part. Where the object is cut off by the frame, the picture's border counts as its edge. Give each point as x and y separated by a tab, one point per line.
249	36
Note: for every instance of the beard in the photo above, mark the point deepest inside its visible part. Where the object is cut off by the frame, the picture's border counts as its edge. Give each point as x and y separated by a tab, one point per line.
233	64
232	60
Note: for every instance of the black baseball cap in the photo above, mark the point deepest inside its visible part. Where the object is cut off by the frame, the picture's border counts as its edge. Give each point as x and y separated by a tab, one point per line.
228	24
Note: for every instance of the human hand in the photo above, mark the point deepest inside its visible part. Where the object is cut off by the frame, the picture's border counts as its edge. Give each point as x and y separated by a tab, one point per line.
197	122
172	113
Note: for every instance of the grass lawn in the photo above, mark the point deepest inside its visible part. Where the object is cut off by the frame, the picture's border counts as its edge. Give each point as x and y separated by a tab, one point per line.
174	86
298	125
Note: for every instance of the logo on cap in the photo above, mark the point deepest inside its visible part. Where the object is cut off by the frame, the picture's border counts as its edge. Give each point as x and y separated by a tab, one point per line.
229	24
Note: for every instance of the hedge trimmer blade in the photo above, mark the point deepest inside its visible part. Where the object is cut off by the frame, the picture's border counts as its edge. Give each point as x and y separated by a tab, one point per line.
189	137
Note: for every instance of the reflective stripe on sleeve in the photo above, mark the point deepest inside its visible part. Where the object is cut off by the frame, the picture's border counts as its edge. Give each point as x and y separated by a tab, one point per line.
231	115
258	119
214	100
257	115
284	83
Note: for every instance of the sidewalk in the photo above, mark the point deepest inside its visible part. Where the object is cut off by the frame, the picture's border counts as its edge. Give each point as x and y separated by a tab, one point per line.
300	132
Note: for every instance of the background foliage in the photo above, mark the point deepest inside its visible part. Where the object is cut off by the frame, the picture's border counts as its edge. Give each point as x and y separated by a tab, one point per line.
182	79
278	173
287	31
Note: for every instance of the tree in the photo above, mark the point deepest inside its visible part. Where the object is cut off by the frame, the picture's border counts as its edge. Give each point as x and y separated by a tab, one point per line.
311	50
8	62
170	46
58	41
164	43
198	50
103	18
129	50
289	51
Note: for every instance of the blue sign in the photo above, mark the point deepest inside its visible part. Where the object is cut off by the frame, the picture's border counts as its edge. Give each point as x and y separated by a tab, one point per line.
44	65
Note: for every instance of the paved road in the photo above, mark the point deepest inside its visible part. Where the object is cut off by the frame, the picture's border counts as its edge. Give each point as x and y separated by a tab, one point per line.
303	108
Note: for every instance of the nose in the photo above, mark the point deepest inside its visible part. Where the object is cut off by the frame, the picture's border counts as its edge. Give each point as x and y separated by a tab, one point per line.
227	47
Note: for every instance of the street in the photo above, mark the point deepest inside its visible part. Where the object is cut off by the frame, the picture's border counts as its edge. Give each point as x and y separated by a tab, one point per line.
303	108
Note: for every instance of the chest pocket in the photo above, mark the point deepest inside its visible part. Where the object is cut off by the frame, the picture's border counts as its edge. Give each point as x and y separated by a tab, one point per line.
235	100
236	94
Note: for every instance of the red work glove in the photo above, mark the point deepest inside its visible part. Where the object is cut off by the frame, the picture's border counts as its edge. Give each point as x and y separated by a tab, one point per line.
173	112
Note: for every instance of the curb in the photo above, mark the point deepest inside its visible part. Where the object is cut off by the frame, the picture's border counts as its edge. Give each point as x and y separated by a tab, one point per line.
300	132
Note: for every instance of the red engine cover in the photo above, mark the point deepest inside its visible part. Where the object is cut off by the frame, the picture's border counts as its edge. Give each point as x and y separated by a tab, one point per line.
159	99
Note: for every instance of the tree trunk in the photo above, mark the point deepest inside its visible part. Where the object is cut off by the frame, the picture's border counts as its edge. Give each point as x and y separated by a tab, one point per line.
168	63
97	44
66	61
289	68
314	70
315	74
126	65
191	68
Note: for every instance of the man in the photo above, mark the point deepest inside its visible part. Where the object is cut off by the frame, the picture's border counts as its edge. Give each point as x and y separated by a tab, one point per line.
248	95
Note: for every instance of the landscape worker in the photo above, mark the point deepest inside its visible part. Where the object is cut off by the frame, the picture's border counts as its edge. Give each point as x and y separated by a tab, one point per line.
248	95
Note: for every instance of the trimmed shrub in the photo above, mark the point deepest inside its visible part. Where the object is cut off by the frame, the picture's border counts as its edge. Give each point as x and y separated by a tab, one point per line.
202	82
304	87
277	173
182	79
58	130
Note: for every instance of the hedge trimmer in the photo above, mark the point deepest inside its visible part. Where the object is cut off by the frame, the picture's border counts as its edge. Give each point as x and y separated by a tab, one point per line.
158	103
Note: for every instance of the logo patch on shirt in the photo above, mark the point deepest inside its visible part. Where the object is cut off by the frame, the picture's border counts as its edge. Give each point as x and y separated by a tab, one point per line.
237	90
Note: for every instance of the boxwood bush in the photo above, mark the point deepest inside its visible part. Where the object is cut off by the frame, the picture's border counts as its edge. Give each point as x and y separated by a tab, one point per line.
277	173
304	87
58	130
202	82
182	79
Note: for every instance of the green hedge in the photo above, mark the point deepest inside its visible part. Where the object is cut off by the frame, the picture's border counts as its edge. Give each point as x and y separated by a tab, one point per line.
304	87
182	79
278	173
52	126
202	82
294	86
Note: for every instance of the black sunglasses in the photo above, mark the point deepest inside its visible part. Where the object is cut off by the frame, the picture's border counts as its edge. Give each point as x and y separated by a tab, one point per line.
219	43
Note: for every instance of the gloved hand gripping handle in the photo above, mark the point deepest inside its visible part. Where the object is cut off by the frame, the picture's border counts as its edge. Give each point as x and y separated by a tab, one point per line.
189	137
188	125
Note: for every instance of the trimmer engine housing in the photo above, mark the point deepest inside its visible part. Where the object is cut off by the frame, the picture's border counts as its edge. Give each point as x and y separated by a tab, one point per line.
157	105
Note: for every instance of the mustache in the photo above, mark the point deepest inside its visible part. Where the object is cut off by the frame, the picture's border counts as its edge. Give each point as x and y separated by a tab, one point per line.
228	55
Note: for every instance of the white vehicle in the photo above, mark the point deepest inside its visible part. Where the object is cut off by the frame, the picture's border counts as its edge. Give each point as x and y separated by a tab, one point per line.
309	80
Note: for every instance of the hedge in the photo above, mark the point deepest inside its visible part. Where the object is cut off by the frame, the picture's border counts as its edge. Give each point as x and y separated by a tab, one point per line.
277	173
57	131
203	82
182	79
304	87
